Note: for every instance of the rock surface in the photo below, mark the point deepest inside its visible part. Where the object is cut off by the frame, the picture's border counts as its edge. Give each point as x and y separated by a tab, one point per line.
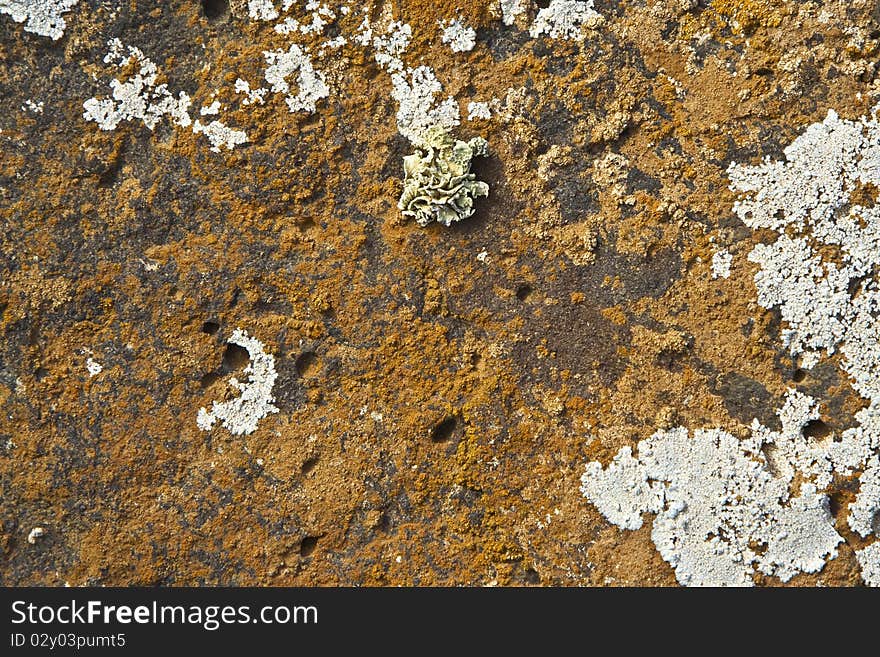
439	390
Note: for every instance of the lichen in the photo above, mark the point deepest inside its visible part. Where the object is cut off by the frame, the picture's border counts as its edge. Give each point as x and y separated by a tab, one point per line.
869	560
220	134
721	261
311	83
389	43
242	414
747	15
262	10
723	510
438	184
139	97
820	273
418	117
251	95
479	110
93	367
43	17
864	512
511	9
809	199
458	36
565	19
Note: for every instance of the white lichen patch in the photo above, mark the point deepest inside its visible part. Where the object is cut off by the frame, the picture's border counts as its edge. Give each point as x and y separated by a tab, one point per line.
622	492
864	513
479	110
565	19
816	461
257	95
242	414
722	509
36	108
806	199
320	16
140	97
42	17
869	560
511	9
93	367
35	534
417	113
438	184
721	261
219	134
333	44
211	110
414	89
389	43
262	10
287	26
458	36
311	84
820	272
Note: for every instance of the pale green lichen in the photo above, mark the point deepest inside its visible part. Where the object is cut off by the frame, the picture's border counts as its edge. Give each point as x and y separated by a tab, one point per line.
438	184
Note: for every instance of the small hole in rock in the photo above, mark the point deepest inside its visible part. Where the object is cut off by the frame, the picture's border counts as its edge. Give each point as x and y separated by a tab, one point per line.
305	363
108	177
799	375
308	545
532	576
41	373
835	503
309	465
235	358
817	430
542	4
443	431
305	225
523	291
210	327
855	285
214	9
210	379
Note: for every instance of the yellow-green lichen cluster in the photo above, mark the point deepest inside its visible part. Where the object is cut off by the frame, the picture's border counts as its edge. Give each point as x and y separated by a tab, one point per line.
438	184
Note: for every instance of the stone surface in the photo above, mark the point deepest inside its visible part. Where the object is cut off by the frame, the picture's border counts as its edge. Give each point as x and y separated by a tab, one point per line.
440	390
